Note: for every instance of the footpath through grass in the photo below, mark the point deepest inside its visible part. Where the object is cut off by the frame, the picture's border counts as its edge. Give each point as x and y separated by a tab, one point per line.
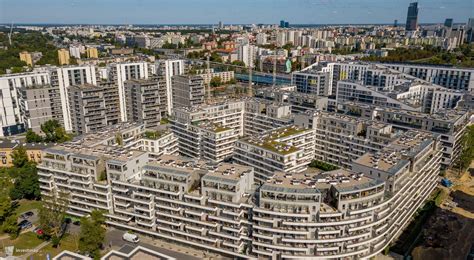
68	242
27	205
23	243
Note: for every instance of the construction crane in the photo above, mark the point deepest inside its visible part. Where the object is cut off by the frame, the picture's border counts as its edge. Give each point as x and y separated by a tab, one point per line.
250	94
274	67
209	80
10	34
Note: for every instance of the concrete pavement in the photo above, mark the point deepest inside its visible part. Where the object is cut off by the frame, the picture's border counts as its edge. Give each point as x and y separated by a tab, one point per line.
113	240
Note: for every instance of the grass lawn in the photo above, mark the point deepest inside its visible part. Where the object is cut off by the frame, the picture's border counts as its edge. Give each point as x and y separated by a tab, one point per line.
27	241
26	205
67	243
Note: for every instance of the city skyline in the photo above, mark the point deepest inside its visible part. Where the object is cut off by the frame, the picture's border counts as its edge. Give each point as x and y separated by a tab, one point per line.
247	12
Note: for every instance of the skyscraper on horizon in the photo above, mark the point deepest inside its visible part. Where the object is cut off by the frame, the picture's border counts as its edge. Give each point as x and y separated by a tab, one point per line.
448	22
470	30
282	24
412	17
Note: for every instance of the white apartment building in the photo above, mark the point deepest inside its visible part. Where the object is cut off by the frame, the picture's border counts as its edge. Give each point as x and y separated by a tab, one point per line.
313	215
449	77
11	121
351	91
340	139
289	149
263	115
168	69
67	76
207	76
262	38
208	131
159	142
450	124
121	72
246	54
345	214
75	51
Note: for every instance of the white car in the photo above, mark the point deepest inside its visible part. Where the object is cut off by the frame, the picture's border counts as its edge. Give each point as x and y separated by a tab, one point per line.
130	238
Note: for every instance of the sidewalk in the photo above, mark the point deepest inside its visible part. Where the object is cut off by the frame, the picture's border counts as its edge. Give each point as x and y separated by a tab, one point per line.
22	232
35	250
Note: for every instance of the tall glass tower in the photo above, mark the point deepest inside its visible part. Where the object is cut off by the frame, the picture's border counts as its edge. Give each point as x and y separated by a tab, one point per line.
412	17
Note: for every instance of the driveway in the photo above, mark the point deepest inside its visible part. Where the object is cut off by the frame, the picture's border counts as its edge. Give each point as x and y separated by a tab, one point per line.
113	240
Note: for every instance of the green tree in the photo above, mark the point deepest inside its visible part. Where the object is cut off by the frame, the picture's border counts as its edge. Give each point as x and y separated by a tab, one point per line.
54	132
26	183
467	154
10	226
20	157
92	233
52	215
215	57
288	46
5	207
32	137
238	63
216	81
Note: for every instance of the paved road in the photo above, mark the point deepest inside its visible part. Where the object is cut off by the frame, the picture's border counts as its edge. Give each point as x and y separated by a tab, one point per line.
113	237
33	219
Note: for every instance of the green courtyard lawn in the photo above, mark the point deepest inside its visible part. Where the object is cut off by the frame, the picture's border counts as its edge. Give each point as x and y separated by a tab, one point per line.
68	242
27	205
22	243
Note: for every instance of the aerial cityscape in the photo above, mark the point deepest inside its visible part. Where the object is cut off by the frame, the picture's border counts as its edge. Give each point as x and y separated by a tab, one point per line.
265	129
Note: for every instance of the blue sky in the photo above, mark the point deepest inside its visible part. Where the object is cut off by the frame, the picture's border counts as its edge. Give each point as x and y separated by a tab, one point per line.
230	12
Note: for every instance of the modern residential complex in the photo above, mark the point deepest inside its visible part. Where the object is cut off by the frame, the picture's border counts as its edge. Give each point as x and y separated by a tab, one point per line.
341	213
208	131
241	141
448	77
289	149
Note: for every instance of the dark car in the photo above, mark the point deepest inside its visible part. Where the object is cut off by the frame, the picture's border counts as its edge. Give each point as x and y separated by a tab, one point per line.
27	215
24	224
77	223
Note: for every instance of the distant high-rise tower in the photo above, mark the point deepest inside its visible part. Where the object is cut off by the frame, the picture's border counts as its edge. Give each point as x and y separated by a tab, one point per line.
448	22
412	17
470	30
221	25
282	24
287	25
395	23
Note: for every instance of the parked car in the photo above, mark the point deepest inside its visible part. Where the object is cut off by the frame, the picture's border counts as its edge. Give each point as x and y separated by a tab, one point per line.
24	224
38	231
27	214
130	237
77	223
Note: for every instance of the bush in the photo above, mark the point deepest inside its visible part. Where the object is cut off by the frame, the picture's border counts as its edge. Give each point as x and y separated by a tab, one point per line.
323	165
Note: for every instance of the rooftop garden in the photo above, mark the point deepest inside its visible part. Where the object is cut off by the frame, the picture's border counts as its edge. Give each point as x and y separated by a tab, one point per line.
152	135
284	132
323	165
277	147
220	128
